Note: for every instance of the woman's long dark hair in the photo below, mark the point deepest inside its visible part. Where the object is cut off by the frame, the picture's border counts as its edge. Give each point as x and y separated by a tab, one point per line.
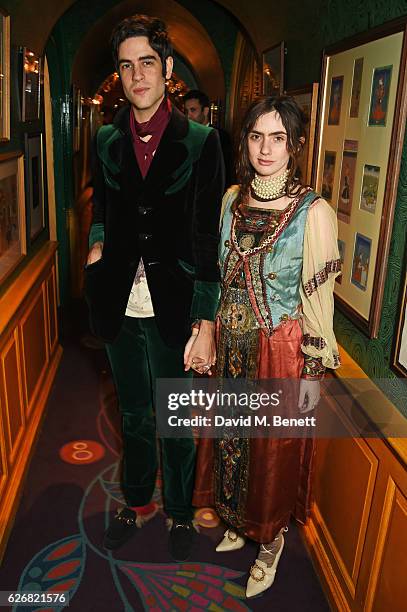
294	121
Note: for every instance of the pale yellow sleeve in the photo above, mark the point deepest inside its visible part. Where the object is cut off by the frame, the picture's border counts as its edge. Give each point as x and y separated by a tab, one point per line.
228	198
321	266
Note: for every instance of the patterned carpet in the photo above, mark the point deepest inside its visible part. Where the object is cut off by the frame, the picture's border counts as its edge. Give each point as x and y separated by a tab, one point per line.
72	490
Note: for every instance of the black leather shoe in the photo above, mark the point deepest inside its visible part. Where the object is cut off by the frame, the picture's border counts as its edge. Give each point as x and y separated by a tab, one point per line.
121	529
181	540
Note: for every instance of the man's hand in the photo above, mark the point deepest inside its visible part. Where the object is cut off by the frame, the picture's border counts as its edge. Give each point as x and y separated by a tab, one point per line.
309	395
200	350
95	253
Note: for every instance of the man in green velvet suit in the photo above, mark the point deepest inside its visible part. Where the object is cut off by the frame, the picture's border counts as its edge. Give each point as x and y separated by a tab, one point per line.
152	280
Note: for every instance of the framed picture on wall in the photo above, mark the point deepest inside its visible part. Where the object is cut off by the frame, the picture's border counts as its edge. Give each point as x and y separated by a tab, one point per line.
273	70
400	348
31	94
361	124
12	212
34	184
4	76
307	99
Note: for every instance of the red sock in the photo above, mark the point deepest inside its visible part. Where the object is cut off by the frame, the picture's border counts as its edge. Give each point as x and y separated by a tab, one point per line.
143	510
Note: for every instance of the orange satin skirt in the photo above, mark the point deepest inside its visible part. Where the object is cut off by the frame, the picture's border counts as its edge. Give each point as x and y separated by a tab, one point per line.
277	471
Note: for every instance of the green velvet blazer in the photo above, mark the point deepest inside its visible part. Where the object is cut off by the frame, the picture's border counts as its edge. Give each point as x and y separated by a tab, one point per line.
170	219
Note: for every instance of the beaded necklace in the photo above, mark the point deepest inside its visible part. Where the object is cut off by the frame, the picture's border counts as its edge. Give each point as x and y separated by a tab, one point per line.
269	189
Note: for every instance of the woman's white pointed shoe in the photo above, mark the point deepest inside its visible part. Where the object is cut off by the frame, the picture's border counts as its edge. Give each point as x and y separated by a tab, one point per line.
261	576
231	541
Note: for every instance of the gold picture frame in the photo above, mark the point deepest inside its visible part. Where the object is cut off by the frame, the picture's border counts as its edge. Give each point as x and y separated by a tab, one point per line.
273	70
307	98
34	169
4	76
31	94
13	246
361	123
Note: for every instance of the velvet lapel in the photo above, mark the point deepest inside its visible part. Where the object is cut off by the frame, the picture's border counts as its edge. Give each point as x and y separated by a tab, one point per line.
131	179
170	154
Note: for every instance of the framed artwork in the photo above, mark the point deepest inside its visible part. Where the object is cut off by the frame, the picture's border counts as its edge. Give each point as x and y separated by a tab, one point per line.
356	88
34	184
335	100
328	175
273	70
12	212
307	99
31	97
370	184
400	347
359	139
347	180
4	76
360	263
246	83
379	98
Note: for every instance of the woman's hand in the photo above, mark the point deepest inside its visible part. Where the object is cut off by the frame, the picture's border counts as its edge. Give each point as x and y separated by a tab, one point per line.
309	395
200	350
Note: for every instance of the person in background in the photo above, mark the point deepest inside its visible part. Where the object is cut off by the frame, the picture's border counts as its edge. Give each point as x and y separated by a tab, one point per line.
152	280
278	260
197	108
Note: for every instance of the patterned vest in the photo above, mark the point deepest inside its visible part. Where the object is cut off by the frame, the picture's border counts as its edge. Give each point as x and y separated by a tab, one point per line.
273	270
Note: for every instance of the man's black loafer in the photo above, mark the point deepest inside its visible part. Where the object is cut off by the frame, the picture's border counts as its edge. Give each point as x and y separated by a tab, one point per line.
181	540
122	527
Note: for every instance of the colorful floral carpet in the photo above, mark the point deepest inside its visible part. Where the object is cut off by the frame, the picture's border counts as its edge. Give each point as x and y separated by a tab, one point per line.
72	490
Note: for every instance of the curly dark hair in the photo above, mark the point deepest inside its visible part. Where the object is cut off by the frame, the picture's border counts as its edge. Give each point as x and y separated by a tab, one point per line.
294	121
142	25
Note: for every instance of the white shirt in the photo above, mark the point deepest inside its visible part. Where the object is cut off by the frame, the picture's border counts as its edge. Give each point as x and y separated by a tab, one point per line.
139	303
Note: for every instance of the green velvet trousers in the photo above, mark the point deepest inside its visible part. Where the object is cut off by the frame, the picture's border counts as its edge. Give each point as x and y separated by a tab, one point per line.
138	357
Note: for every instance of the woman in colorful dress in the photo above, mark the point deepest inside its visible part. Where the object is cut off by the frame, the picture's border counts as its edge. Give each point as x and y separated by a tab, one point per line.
279	259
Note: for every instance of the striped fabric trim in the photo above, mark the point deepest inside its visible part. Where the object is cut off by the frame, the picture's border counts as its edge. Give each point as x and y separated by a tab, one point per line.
318	343
322	276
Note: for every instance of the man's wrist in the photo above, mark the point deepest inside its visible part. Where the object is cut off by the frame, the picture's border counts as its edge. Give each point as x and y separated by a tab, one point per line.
206	326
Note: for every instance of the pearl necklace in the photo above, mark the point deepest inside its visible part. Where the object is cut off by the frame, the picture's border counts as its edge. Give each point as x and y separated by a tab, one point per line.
270	189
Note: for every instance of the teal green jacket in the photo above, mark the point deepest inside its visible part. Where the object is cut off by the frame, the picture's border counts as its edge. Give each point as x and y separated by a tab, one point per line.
170	219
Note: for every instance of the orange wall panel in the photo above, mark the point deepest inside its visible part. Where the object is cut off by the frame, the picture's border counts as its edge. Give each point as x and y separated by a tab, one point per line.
12	399
29	358
3	455
35	348
52	310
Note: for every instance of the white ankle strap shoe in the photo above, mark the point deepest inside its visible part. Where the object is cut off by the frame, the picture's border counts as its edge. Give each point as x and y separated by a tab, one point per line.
261	576
231	541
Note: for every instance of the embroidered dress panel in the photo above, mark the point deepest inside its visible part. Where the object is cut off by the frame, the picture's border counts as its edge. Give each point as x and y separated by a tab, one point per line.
272	265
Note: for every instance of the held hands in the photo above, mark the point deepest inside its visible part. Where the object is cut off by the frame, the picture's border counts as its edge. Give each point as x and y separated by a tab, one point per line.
309	395
200	350
95	253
